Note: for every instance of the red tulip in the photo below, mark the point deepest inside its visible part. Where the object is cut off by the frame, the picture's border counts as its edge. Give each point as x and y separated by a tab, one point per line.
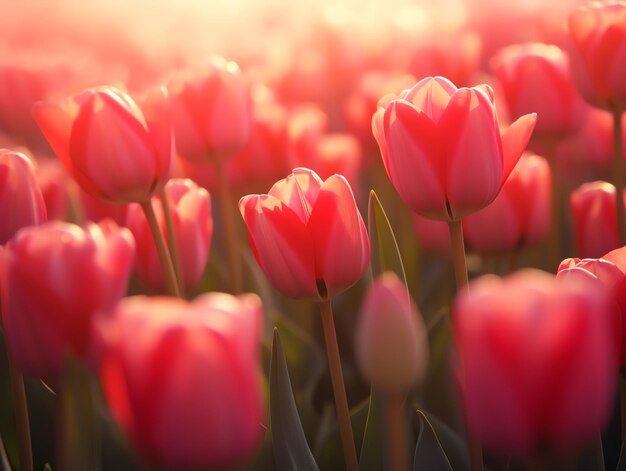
598	30
21	201
308	235
190	208
183	379
594	212
536	361
211	111
55	279
54	182
115	151
432	235
520	215
442	147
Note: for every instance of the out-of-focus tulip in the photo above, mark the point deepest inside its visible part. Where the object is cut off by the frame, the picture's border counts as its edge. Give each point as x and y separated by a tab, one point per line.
432	235
184	380
55	279
308	235
54	182
21	201
520	215
211	111
114	150
598	30
442	147
536	361
391	343
190	208
535	77
594	212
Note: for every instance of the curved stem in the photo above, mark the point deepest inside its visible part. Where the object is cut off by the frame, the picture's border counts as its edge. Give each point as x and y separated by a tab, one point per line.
161	246
618	175
173	243
458	254
21	417
339	389
396	426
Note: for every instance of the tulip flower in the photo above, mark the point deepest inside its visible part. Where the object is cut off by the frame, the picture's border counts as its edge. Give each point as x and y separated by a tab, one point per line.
307	235
21	201
114	150
520	214
595	219
190	208
54	182
55	279
536	361
183	379
535	77
432	235
211	111
442	147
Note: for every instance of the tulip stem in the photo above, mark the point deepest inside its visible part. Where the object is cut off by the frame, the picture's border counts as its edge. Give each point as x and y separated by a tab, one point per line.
173	242
396	429
618	175
339	389
458	254
164	254
229	229
21	417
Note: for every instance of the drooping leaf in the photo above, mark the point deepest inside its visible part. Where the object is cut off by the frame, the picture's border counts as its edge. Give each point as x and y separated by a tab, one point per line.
429	453
291	450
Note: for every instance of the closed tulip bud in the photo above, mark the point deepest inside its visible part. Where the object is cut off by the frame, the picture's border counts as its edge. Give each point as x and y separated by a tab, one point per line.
55	279
114	150
536	361
211	111
21	201
391	343
520	215
308	235
598	30
183	379
442	147
535	77
190	208
594	211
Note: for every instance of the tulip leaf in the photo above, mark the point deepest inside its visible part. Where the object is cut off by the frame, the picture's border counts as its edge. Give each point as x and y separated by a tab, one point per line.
385	251
372	455
452	444
429	453
291	450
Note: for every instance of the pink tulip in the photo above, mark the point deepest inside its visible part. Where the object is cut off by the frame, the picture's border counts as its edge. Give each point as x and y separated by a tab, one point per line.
535	77
594	212
115	151
432	235
190	208
55	279
183	379
308	235
21	201
211	111
442	147
536	361
520	215
54	183
391	340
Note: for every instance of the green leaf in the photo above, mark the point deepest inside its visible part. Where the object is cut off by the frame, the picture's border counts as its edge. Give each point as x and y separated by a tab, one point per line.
453	445
372	457
291	449
429	453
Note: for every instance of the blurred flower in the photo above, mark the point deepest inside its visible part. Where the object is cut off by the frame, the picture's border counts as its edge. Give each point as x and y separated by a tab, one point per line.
535	77
54	182
183	379
536	361
190	208
21	201
55	279
308	235
442	147
594	211
391	340
115	151
211	111
432	235
520	215
598	30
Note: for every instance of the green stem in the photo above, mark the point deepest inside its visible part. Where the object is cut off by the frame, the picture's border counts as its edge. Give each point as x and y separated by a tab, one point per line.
21	417
161	246
339	388
618	175
396	427
173	242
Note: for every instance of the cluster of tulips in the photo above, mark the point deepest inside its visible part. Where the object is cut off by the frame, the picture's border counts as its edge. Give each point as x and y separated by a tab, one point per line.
140	330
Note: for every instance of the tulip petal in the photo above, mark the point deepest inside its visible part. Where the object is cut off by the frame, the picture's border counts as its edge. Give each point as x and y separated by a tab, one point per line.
56	125
298	191
514	141
156	112
281	244
431	95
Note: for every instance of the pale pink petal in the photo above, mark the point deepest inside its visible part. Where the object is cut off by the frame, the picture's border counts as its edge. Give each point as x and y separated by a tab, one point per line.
514	141
298	191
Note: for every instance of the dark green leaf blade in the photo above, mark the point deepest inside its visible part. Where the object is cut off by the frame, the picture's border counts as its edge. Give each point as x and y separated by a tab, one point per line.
429	453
